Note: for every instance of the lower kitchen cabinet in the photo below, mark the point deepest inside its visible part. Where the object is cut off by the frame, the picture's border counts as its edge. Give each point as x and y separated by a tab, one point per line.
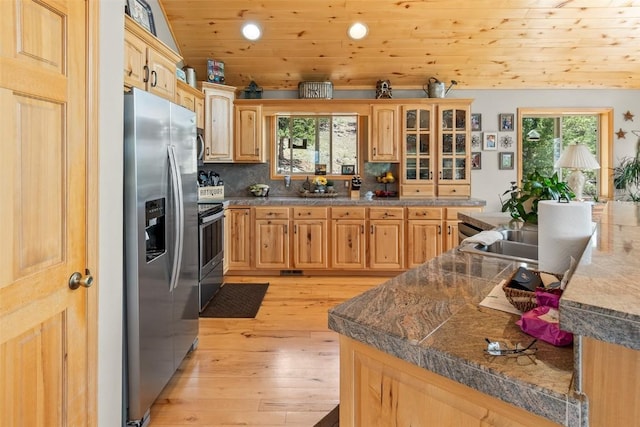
272	238
450	237
351	238
424	235
386	238
237	251
310	238
379	389
348	247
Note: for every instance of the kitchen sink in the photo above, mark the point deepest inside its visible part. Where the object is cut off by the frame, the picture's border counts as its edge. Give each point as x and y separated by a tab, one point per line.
528	236
517	245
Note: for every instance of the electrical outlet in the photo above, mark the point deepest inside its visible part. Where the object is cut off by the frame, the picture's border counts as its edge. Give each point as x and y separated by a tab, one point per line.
346	184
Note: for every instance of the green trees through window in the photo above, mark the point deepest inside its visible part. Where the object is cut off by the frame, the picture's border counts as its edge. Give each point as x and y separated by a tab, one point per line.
310	144
544	138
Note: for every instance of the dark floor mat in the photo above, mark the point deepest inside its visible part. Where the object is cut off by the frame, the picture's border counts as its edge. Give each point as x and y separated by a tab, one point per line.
236	300
332	419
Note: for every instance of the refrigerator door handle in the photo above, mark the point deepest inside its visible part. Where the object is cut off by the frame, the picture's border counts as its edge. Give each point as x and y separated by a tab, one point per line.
176	182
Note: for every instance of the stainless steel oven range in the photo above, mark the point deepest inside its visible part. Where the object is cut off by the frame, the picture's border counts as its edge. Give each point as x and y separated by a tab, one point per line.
211	240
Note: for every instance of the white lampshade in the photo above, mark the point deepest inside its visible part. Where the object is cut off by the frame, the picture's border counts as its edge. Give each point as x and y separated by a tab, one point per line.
577	156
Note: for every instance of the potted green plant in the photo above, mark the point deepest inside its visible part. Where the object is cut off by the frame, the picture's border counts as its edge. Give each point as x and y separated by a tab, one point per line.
626	176
522	203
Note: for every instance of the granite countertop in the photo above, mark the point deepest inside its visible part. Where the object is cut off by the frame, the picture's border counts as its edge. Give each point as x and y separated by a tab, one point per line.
602	299
429	316
346	201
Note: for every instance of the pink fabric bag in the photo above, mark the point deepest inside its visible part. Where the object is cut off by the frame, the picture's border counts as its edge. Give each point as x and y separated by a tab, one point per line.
543	321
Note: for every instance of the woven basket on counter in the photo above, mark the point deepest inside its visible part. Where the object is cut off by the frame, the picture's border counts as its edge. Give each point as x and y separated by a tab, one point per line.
521	299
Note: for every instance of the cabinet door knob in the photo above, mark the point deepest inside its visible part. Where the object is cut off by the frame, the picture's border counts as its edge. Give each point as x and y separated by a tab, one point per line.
145	76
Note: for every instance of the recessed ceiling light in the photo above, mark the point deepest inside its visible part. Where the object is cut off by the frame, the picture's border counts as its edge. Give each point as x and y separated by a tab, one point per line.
251	31
358	31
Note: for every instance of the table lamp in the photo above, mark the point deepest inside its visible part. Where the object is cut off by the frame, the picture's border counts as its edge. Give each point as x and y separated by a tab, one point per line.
577	157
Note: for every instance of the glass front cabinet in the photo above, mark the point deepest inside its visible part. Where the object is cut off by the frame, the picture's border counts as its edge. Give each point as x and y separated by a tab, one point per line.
436	150
419	151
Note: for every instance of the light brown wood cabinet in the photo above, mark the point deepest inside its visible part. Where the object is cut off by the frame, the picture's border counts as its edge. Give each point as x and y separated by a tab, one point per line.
248	139
272	241
310	238
454	150
379	389
450	237
383	144
238	226
149	64
424	235
348	238
192	99
218	126
386	238
418	151
436	150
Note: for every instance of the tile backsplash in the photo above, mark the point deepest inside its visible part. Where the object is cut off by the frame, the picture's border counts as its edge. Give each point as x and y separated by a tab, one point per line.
238	177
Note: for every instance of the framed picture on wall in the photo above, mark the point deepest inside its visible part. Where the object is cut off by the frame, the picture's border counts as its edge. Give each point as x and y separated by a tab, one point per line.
476	122
505	160
490	141
476	160
141	12
348	169
506	122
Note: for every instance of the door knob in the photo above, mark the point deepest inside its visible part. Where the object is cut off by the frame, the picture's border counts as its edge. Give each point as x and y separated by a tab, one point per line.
76	280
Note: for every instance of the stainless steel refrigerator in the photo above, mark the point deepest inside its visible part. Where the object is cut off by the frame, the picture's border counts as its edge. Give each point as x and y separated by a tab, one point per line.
160	246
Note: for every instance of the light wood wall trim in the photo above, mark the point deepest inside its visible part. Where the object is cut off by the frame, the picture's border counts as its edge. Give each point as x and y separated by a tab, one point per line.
272	107
605	159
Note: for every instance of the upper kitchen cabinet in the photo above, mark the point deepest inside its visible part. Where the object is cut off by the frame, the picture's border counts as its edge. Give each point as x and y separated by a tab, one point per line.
218	126
149	64
436	143
454	146
418	151
192	99
383	145
248	139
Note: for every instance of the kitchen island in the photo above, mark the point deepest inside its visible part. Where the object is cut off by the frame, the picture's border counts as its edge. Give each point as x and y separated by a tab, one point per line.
412	349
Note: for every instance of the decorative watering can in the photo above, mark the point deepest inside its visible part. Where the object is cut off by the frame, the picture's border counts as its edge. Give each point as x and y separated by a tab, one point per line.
436	89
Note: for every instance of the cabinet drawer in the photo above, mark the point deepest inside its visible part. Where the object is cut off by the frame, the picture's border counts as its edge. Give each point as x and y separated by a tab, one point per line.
309	213
386	213
454	191
272	213
424	213
452	213
417	191
348	213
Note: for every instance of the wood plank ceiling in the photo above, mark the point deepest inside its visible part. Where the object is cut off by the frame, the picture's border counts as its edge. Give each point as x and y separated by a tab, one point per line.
482	44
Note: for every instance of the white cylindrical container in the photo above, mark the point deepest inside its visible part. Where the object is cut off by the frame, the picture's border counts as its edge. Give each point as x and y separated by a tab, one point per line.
564	229
191	76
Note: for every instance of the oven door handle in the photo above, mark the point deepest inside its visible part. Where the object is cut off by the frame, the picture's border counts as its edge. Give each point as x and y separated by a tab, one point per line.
211	218
176	183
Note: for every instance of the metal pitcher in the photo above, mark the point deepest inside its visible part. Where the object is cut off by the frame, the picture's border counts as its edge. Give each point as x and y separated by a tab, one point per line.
436	89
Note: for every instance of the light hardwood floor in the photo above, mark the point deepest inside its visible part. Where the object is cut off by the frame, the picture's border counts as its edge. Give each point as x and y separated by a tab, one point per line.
279	369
